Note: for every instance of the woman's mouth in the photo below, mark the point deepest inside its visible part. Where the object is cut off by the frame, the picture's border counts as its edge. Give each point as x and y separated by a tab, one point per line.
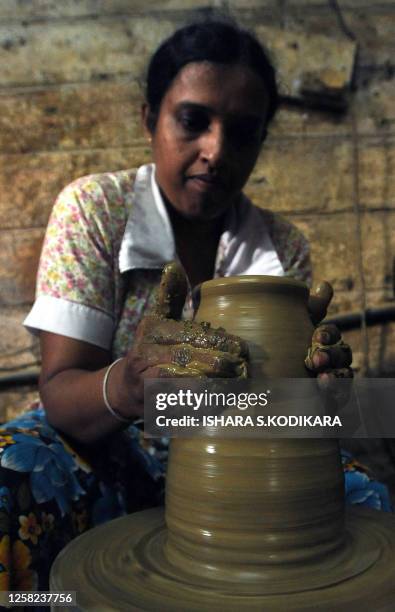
205	182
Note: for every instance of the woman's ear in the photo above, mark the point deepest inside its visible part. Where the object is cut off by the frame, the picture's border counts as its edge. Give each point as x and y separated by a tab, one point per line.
145	114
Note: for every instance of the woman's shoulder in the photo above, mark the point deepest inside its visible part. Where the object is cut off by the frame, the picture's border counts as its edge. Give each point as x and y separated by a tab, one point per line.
289	242
105	191
276	223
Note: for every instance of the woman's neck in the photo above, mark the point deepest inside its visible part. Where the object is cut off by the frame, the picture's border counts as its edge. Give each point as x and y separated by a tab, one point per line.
194	227
196	244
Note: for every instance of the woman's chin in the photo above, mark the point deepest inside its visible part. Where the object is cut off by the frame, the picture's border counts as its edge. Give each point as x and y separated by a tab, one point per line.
204	209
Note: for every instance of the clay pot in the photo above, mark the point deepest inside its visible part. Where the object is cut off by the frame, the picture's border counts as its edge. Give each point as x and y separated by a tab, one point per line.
238	509
270	312
252	524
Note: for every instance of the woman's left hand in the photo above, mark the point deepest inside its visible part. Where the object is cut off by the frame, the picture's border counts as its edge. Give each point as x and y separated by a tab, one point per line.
329	357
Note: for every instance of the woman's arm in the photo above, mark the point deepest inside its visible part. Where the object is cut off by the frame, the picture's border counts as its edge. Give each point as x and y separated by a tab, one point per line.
71	388
71	382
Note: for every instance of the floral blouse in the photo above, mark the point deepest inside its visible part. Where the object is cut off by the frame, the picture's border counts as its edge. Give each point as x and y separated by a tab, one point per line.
95	284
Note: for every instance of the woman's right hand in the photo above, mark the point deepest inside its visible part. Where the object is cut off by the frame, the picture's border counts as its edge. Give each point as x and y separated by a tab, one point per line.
73	371
167	347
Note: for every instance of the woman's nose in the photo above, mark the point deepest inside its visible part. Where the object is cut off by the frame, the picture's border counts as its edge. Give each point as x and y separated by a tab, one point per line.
214	145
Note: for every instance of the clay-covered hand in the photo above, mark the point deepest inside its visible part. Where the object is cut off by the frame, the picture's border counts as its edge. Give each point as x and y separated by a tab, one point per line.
329	357
167	347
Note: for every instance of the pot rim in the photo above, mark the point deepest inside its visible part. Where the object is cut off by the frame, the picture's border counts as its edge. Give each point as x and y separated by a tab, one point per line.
254	283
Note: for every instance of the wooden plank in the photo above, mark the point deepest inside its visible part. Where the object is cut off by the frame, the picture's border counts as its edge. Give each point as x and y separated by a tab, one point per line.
382	350
80	51
373	106
31	182
375	34
19	255
310	65
19	350
90	115
305	122
378	249
53	9
334	249
371	101
374	30
316	174
377	172
350	300
381	342
304	175
85	49
108	115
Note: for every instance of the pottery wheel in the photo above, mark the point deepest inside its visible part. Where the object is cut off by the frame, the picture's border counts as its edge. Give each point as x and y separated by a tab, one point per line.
122	565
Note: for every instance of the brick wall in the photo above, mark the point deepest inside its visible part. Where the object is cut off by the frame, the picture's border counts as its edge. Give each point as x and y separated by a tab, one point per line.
69	105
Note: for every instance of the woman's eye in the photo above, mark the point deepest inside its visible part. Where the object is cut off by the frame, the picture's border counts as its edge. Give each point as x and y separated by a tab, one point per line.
245	133
194	122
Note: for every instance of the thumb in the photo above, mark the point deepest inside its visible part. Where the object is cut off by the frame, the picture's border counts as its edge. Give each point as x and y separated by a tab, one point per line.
319	300
172	291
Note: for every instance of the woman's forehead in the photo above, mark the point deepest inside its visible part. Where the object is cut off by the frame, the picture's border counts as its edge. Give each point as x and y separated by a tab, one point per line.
234	87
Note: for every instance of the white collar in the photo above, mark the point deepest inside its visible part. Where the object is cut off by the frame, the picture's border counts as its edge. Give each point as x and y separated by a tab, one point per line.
245	246
148	240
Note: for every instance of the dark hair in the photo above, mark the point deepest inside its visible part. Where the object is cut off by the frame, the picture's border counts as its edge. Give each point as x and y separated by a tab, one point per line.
213	41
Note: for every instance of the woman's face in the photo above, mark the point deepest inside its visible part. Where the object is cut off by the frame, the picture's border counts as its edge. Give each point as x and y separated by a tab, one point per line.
208	136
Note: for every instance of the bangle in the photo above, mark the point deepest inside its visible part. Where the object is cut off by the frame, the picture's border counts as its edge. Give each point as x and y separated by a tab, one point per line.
114	413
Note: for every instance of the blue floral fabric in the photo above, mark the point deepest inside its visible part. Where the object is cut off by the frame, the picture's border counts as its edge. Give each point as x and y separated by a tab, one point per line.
50	492
361	488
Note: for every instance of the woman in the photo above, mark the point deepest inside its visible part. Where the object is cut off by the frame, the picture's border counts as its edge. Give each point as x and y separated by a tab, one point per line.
211	94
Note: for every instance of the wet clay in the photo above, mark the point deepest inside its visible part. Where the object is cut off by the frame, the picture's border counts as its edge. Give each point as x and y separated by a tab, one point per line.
250	524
